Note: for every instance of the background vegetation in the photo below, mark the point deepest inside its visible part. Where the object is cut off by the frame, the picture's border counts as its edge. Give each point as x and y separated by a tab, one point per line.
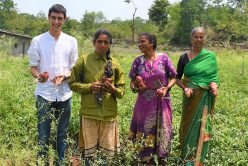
18	118
225	22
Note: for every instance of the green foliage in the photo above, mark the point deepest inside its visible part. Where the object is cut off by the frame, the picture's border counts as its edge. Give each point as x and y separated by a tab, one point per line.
91	22
17	100
237	3
24	23
6	43
70	26
119	29
18	121
6	9
238	31
192	15
142	25
220	21
159	12
6	5
219	16
171	33
171	23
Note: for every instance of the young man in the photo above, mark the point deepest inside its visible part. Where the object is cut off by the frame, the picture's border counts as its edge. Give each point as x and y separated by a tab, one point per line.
51	57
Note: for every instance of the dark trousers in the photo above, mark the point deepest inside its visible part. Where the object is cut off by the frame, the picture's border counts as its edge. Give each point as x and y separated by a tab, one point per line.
60	112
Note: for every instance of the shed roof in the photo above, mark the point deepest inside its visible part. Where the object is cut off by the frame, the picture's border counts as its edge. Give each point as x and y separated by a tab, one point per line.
14	34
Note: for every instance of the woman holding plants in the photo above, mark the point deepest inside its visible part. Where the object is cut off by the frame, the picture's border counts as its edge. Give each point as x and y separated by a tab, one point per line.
200	86
99	78
152	76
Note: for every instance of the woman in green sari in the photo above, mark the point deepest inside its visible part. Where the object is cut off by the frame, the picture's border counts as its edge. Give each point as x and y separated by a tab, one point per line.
200	83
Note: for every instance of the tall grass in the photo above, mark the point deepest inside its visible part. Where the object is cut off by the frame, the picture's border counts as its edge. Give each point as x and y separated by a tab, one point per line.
18	121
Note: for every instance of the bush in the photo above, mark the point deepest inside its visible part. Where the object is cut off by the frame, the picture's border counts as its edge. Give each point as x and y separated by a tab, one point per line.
6	44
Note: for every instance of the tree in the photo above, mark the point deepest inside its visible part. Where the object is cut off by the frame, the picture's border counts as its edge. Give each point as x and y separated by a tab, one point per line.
192	15
219	16
171	34
71	25
41	14
90	21
119	29
241	17
159	12
146	26
133	22
237	3
7	5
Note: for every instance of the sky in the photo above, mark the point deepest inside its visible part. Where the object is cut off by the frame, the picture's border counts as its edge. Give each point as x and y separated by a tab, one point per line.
112	9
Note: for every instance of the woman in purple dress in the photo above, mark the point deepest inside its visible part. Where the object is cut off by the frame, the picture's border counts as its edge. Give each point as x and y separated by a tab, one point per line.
152	76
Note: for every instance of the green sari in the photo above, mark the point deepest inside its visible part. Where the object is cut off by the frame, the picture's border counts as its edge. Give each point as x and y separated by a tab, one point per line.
196	126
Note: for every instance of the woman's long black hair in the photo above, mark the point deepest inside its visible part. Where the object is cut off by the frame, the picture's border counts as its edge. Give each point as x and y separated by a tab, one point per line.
108	71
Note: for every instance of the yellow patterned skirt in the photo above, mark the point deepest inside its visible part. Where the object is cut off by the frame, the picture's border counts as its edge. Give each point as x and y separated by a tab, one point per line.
98	135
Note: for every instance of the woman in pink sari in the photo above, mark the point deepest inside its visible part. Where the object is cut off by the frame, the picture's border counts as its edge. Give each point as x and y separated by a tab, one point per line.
152	76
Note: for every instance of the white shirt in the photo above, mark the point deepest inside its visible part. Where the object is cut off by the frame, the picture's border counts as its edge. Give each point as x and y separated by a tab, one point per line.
57	57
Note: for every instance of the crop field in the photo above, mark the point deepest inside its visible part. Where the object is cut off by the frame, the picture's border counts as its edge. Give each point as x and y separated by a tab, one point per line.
229	145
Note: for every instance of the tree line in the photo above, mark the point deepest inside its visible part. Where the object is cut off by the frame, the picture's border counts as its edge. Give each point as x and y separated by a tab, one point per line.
224	21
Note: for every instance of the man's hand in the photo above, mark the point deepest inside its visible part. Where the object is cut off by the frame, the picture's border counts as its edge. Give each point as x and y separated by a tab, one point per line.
43	77
58	79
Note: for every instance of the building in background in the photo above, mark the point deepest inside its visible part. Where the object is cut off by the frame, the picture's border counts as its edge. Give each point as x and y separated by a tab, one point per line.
21	44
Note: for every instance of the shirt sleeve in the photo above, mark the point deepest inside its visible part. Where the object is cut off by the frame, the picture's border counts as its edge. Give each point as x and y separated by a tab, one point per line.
33	53
119	81
75	80
180	65
74	53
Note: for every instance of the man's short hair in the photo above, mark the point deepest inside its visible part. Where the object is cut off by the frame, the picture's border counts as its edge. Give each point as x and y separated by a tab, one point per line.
57	8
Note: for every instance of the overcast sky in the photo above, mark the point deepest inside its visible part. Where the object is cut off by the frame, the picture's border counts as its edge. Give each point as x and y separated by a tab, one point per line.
76	8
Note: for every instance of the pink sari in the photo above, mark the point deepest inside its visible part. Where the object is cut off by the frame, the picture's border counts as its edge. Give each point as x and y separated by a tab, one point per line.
151	126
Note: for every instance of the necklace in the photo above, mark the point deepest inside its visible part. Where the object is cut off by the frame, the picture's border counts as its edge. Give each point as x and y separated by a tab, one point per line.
149	67
149	64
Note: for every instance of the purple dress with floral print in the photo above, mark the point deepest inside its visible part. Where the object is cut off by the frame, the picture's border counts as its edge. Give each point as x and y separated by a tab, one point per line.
151	125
